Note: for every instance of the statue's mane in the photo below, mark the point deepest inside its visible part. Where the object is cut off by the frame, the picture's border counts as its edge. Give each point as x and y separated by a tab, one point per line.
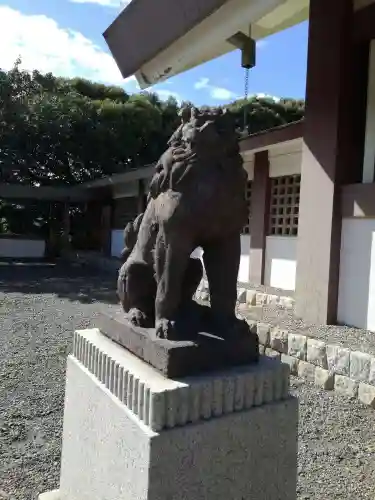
208	128
205	138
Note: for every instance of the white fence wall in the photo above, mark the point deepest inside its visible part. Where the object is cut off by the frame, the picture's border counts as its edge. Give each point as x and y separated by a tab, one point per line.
16	248
356	306
117	242
281	262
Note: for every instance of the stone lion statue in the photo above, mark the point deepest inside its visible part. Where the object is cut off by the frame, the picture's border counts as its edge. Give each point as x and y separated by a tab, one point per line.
196	199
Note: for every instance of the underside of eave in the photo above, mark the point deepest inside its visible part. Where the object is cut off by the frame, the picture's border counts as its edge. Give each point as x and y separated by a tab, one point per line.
169	62
154	51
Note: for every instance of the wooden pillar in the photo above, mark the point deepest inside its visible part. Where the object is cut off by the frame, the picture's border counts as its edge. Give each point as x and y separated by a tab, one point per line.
365	60
93	232
260	207
53	247
106	229
66	228
327	159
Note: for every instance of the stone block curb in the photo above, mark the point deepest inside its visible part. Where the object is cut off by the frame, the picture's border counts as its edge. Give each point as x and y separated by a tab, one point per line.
292	362
306	371
316	353
297	346
249	296
255	298
366	394
324	379
279	340
263	331
346	386
328	366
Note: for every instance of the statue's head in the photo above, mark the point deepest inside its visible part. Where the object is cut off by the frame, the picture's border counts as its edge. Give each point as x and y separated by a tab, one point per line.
208	120
185	114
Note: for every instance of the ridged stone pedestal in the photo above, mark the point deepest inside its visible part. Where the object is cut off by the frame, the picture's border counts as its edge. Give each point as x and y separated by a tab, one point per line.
131	434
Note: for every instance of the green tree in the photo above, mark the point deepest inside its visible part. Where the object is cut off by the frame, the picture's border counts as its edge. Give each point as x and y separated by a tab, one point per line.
264	113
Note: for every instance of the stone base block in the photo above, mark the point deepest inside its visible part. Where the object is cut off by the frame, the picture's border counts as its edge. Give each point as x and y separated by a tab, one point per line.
131	434
50	495
201	353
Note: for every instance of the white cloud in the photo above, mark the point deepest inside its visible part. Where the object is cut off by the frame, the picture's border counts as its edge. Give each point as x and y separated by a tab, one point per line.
217	93
43	45
117	4
161	92
261	95
222	94
165	93
202	83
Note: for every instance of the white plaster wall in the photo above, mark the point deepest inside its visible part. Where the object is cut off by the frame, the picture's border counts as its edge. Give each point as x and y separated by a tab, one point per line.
243	273
249	167
356	305
281	262
18	249
285	159
288	163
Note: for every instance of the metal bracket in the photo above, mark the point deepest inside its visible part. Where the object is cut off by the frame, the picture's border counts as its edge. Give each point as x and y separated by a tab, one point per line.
247	45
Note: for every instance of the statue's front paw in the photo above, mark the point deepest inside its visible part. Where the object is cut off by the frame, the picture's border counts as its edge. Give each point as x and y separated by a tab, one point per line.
165	329
138	318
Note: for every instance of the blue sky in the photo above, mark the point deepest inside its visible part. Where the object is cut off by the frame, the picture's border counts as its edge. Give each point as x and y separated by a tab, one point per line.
65	37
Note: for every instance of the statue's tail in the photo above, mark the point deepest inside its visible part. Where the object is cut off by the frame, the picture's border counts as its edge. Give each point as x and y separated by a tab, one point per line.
130	236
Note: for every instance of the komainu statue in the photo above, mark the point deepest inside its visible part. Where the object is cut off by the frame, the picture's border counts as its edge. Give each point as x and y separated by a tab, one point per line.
196	199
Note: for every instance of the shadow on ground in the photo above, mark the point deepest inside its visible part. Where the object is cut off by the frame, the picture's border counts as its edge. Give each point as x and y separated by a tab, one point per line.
82	284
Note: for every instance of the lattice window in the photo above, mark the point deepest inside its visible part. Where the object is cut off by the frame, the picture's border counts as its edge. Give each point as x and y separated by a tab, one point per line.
246	229
284	207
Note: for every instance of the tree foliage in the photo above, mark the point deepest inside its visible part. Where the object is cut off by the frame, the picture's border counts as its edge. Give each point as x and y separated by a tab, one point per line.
58	131
264	113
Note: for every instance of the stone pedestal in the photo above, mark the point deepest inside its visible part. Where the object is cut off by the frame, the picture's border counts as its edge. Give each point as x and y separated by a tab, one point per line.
132	434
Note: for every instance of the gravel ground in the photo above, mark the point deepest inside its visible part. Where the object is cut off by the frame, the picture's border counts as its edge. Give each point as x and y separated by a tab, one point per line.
40	308
355	339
